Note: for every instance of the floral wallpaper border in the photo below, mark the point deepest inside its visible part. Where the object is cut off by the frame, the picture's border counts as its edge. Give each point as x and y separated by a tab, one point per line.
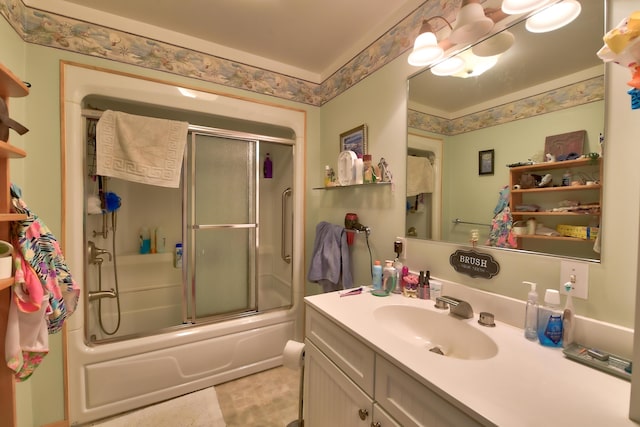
58	31
580	93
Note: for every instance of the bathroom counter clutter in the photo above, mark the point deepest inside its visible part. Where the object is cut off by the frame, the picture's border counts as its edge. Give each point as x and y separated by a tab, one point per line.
500	379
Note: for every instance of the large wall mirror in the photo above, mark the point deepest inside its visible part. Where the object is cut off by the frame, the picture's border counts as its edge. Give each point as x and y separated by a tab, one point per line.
464	131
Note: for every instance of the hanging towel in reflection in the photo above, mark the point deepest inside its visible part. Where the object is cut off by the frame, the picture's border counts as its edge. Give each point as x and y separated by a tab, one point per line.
140	149
331	260
419	176
501	234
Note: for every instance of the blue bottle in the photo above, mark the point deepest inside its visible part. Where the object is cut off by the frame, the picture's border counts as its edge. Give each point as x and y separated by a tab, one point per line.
377	276
550	320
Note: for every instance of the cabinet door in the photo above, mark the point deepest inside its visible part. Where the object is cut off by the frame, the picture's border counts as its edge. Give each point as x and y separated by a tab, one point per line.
413	404
330	397
382	419
350	355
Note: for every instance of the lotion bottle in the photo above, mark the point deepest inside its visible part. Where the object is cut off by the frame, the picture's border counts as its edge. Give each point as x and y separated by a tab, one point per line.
531	313
550	320
389	277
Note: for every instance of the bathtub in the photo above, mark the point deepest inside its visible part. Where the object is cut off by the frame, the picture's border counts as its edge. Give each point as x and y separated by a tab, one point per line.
107	379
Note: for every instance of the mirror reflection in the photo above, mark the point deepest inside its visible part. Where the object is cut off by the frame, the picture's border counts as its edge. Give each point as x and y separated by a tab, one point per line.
464	131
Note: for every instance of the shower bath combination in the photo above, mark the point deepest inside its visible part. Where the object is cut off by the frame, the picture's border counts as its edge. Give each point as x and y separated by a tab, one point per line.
244	298
231	264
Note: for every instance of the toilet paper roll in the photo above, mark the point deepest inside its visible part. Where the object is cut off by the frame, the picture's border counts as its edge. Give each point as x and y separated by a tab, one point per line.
293	355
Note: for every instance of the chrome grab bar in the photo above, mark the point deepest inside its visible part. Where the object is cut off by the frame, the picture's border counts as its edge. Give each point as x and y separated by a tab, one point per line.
459	221
285	257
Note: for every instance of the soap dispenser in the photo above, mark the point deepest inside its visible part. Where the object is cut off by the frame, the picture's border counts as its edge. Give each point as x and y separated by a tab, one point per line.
550	320
568	314
531	313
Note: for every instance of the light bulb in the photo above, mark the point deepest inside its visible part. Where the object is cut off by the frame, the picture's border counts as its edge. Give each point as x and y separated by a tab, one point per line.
554	17
425	50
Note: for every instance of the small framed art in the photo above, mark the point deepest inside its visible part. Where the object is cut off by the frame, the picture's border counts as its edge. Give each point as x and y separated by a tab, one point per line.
355	140
485	162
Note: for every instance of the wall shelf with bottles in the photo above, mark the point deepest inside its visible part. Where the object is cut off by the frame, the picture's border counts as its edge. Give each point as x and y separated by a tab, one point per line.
335	187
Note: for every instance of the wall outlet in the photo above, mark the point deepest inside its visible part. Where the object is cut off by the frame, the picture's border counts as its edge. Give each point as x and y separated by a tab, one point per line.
581	271
403	242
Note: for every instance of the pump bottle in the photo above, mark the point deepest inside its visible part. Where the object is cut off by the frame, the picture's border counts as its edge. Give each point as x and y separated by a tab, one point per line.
398	266
568	314
550	320
531	313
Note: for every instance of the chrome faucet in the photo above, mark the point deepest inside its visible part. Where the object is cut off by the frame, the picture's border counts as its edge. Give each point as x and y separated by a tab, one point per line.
95	252
456	306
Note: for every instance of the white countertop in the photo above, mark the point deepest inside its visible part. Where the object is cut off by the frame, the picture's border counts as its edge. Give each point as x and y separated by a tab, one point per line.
525	384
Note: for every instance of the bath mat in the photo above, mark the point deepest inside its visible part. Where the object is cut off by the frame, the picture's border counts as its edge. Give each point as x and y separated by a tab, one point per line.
197	409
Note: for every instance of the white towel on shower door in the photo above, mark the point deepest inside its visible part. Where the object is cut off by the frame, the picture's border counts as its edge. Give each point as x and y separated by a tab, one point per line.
140	149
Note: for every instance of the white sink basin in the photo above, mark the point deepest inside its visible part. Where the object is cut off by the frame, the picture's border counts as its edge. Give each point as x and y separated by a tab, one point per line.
439	332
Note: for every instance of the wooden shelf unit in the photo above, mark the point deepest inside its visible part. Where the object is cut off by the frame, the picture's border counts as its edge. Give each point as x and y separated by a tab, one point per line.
518	196
10	87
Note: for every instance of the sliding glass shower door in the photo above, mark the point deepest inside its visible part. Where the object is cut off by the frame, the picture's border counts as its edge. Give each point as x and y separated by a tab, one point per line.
222	212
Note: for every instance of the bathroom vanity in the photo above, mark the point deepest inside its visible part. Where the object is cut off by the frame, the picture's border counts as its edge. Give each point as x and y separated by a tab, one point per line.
372	361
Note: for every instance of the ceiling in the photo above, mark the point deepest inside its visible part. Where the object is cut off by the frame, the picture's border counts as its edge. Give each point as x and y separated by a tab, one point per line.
307	39
311	40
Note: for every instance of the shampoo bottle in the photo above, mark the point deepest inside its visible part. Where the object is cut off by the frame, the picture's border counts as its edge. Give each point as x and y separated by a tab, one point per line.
145	241
377	276
161	240
268	167
550	320
177	256
567	315
531	313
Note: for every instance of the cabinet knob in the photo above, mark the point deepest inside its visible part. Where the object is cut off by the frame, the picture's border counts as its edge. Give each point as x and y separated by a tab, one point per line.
376	424
363	413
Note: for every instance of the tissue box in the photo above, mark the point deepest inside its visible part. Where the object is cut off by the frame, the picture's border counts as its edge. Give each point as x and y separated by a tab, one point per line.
580	232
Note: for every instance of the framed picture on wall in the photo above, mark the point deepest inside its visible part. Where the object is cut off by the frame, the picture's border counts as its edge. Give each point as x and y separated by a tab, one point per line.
355	140
485	162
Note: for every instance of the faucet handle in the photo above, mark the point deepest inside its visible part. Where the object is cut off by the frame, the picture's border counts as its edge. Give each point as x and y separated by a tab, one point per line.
441	304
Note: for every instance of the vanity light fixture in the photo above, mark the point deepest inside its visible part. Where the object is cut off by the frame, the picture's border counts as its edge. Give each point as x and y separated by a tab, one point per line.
449	66
517	7
553	17
471	23
426	50
472	65
495	45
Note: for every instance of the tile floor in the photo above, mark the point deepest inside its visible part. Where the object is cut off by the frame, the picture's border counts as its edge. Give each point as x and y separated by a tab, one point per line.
265	399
